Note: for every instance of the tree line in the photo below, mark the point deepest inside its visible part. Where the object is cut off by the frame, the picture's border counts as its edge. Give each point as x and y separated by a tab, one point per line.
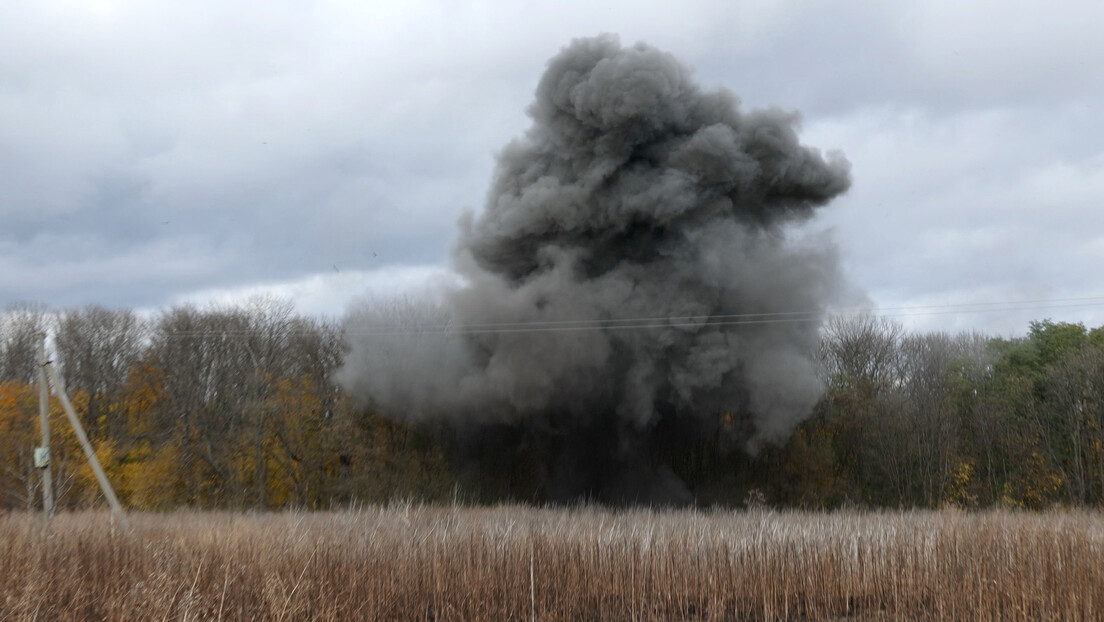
237	407
220	407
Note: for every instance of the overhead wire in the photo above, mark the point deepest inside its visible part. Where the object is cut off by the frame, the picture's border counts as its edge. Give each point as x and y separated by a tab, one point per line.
400	326
693	321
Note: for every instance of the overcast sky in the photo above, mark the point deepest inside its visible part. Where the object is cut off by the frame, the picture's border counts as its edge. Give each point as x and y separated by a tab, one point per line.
153	153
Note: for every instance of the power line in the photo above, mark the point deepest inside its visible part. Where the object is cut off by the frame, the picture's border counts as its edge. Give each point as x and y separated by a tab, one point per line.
694	321
386	328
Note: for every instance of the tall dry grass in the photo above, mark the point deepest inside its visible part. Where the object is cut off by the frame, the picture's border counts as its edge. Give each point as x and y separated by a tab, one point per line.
407	562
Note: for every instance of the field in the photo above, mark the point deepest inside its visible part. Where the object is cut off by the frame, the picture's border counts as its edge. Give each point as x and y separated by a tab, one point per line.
411	562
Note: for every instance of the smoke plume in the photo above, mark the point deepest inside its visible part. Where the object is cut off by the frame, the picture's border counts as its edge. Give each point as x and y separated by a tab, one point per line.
626	284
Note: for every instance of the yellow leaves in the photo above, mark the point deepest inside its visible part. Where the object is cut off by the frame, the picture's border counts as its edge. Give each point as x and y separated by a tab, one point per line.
76	484
1008	498
86	490
144	390
958	485
19	431
18	409
150	478
1042	484
292	410
290	441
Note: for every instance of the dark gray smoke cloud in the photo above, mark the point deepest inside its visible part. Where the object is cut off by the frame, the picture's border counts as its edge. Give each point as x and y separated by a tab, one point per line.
620	236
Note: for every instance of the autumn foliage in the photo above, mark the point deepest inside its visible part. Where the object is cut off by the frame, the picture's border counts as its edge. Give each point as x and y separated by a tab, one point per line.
237	408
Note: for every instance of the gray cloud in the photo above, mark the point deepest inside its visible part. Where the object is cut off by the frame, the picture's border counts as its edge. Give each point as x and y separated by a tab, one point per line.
264	134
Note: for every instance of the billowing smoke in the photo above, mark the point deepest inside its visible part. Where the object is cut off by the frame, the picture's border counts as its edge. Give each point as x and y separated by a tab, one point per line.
633	277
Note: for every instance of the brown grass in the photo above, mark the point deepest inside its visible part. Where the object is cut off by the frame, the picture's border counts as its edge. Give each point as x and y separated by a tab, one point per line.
408	562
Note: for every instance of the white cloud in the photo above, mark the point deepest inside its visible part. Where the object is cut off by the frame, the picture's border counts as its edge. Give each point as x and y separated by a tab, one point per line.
330	294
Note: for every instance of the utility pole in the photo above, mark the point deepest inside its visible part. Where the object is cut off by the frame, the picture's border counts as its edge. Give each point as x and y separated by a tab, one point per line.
42	454
47	370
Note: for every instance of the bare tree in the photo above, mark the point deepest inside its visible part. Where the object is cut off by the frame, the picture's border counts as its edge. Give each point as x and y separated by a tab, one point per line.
96	348
222	365
20	328
861	358
932	365
1075	390
861	348
311	432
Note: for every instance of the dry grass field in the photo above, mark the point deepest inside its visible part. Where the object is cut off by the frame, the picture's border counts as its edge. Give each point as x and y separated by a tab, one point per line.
410	562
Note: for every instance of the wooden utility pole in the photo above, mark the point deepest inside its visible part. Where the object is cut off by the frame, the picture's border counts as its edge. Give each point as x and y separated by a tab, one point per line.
78	429
42	454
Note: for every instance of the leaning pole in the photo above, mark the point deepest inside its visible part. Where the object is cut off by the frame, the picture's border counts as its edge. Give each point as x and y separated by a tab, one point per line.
101	477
